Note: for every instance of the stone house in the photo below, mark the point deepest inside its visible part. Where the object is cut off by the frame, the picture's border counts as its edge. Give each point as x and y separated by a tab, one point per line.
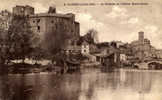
85	48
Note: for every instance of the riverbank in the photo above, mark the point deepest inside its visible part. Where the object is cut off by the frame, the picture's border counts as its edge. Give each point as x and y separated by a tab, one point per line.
137	70
90	64
24	68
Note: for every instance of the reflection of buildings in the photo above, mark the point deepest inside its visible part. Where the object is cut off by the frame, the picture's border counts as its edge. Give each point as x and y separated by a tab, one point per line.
142	48
70	88
137	81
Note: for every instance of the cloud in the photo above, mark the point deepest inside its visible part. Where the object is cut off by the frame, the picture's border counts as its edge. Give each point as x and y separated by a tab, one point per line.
117	12
151	28
39	7
152	32
87	22
133	20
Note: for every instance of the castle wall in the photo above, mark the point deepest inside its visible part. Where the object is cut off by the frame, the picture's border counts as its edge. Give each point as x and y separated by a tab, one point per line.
44	24
77	29
47	22
28	10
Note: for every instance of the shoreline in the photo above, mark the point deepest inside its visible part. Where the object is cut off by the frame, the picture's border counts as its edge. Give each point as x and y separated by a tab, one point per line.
137	70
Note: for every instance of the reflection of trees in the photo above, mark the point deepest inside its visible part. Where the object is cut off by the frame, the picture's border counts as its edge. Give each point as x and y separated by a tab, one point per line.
55	87
37	87
22	91
10	90
45	87
18	88
26	88
5	90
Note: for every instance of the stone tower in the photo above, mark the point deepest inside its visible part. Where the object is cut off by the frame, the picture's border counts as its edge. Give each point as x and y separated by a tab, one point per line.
141	36
23	10
52	9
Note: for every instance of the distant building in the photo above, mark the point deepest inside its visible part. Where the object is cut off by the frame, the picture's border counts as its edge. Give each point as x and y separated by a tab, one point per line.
5	19
75	48
123	57
142	48
108	55
118	43
159	53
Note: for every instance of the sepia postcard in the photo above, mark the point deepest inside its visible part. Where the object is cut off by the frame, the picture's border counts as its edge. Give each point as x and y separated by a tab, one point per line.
80	50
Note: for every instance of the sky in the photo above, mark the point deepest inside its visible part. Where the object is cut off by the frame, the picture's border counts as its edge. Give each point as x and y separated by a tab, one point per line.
113	22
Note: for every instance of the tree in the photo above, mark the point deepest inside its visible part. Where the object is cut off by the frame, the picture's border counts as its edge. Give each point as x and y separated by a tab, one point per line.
19	38
3	53
91	36
38	53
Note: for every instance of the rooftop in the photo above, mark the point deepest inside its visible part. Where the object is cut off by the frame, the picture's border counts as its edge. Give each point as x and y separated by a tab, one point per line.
23	6
51	15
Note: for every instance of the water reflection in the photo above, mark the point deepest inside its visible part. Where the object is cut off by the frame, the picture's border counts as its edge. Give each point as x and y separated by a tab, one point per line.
88	84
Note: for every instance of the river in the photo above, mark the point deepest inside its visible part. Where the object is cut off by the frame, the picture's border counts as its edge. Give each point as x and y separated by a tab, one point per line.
87	84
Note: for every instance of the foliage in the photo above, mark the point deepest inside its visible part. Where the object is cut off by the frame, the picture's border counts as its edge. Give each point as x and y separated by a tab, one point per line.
3	48
39	54
90	37
19	38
